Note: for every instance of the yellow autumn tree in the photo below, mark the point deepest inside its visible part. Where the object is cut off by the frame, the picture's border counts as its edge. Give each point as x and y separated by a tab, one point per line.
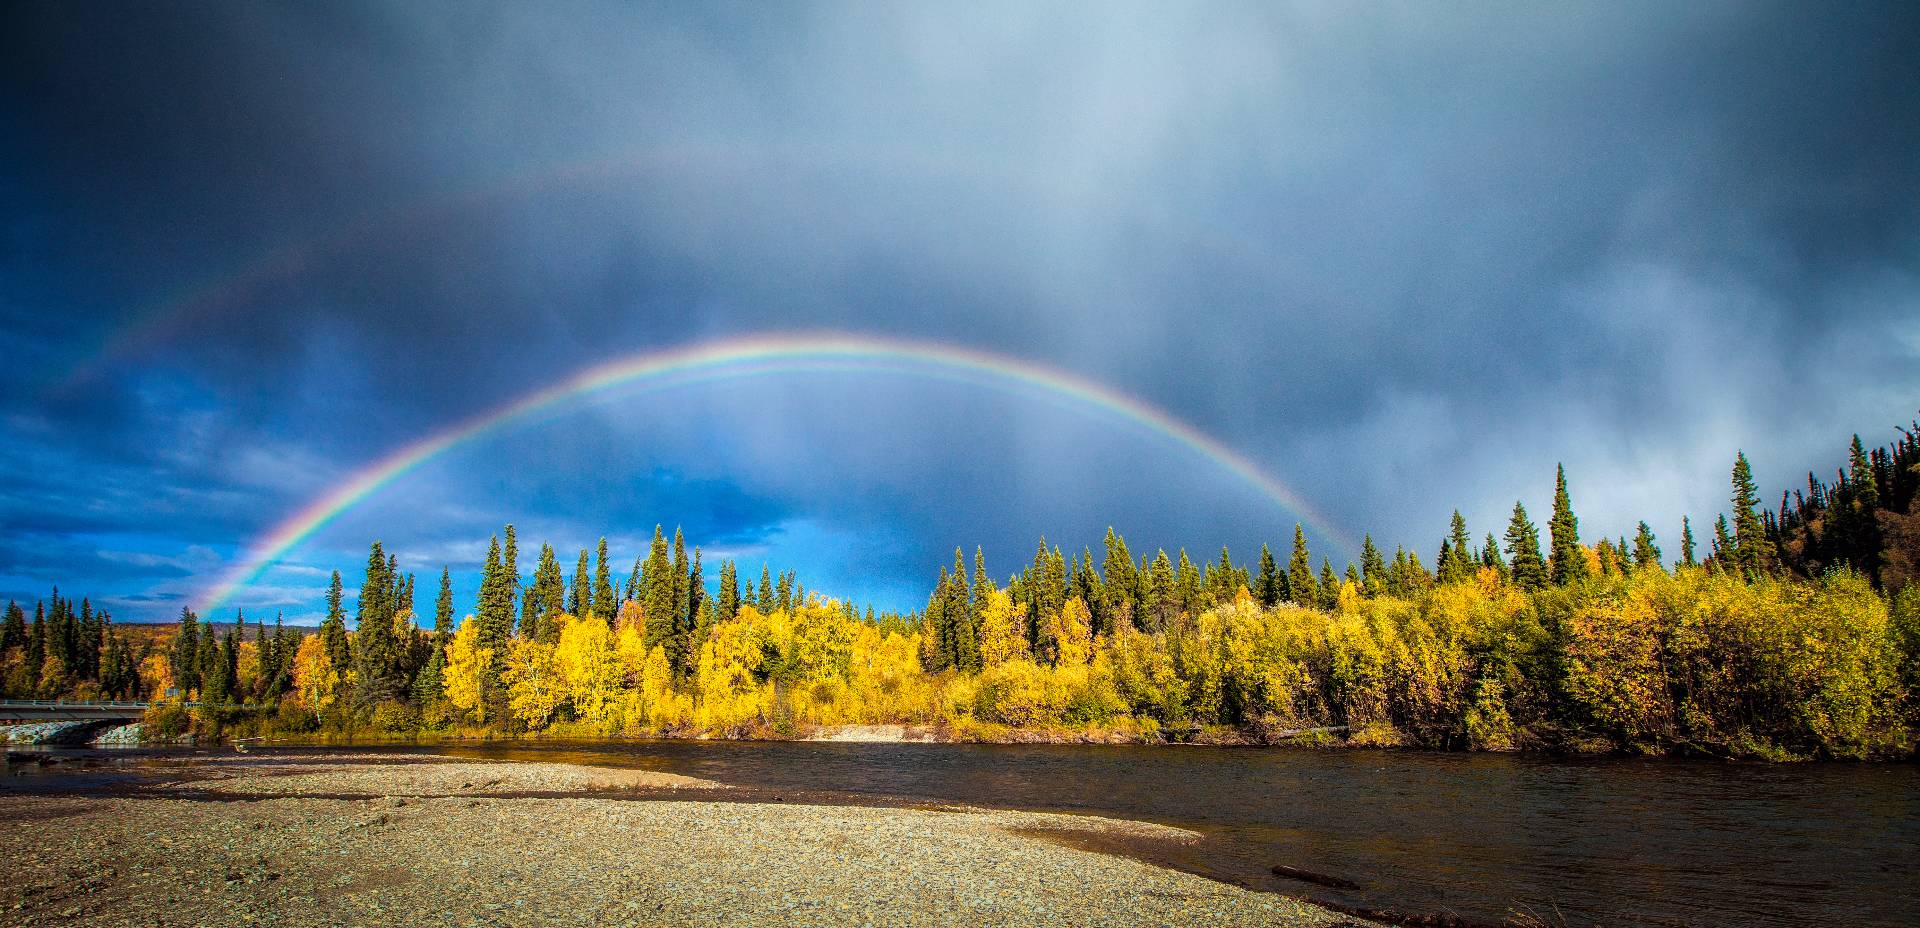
1069	634
314	676
665	707
535	690
156	676
1003	625
730	693
589	670
468	664
885	681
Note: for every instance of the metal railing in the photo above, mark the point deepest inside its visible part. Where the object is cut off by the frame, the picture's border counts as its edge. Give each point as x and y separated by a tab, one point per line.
57	704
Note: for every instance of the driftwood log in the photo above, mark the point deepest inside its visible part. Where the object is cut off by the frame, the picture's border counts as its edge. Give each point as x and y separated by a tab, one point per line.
1310	876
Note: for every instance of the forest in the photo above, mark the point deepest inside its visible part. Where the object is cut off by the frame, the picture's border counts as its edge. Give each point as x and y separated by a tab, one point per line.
1794	634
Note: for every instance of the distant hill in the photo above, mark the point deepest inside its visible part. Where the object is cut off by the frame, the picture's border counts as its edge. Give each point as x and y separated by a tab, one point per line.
159	633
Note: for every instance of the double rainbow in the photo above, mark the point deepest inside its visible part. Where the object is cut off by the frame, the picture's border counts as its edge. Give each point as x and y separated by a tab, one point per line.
744	357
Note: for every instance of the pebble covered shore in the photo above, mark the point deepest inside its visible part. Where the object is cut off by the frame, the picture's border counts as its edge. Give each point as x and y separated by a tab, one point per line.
259	850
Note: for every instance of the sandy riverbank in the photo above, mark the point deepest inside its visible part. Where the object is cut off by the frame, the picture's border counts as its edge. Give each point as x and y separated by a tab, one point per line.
260	847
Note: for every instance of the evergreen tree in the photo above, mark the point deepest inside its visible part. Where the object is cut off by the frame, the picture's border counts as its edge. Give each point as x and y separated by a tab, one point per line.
1188	585
728	605
1753	550
1686	543
1269	589
443	610
1301	586
1722	545
280	679
1456	558
212	669
429	684
1854	526
185	656
958	608
545	599
1086	582
580	598
659	596
682	599
1159	604
1119	583
765	599
1645	552
1329	585
603	603
333	629
1523	547
376	659
939	627
1609	559
1373	568
13	633
1567	561
493	616
510	573
1490	557
696	598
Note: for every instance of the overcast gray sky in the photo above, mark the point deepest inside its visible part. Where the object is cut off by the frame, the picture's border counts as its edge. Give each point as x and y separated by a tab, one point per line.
1404	257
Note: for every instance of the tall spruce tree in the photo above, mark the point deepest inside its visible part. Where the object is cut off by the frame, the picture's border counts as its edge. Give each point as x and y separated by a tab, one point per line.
1645	552
1723	558
1270	588
580	596
1373	567
696	598
493	613
1159	605
1567	561
13	634
1686	543
681	598
1753	550
658	600
510	574
1189	586
1301	587
376	656
333	629
184	658
1119	584
1854	526
1523	549
1456	557
1490	557
603	604
958	607
443	609
728	604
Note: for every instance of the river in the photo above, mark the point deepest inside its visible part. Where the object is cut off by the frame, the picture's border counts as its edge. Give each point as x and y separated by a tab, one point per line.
1574	841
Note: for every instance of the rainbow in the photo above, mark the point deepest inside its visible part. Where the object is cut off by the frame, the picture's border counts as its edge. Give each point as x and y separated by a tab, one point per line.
750	356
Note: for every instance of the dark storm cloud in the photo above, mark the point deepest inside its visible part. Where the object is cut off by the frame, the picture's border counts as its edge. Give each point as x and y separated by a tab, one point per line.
1407	259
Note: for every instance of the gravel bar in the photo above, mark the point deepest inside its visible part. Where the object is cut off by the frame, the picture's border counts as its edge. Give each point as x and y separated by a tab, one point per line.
255	852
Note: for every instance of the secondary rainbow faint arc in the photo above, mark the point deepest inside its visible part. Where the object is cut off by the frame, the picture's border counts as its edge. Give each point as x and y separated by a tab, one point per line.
716	357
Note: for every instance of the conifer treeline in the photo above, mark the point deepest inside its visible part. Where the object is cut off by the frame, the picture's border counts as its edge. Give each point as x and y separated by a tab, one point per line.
1796	633
65	651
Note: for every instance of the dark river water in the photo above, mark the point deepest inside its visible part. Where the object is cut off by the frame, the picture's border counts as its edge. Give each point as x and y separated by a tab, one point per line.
1570	841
